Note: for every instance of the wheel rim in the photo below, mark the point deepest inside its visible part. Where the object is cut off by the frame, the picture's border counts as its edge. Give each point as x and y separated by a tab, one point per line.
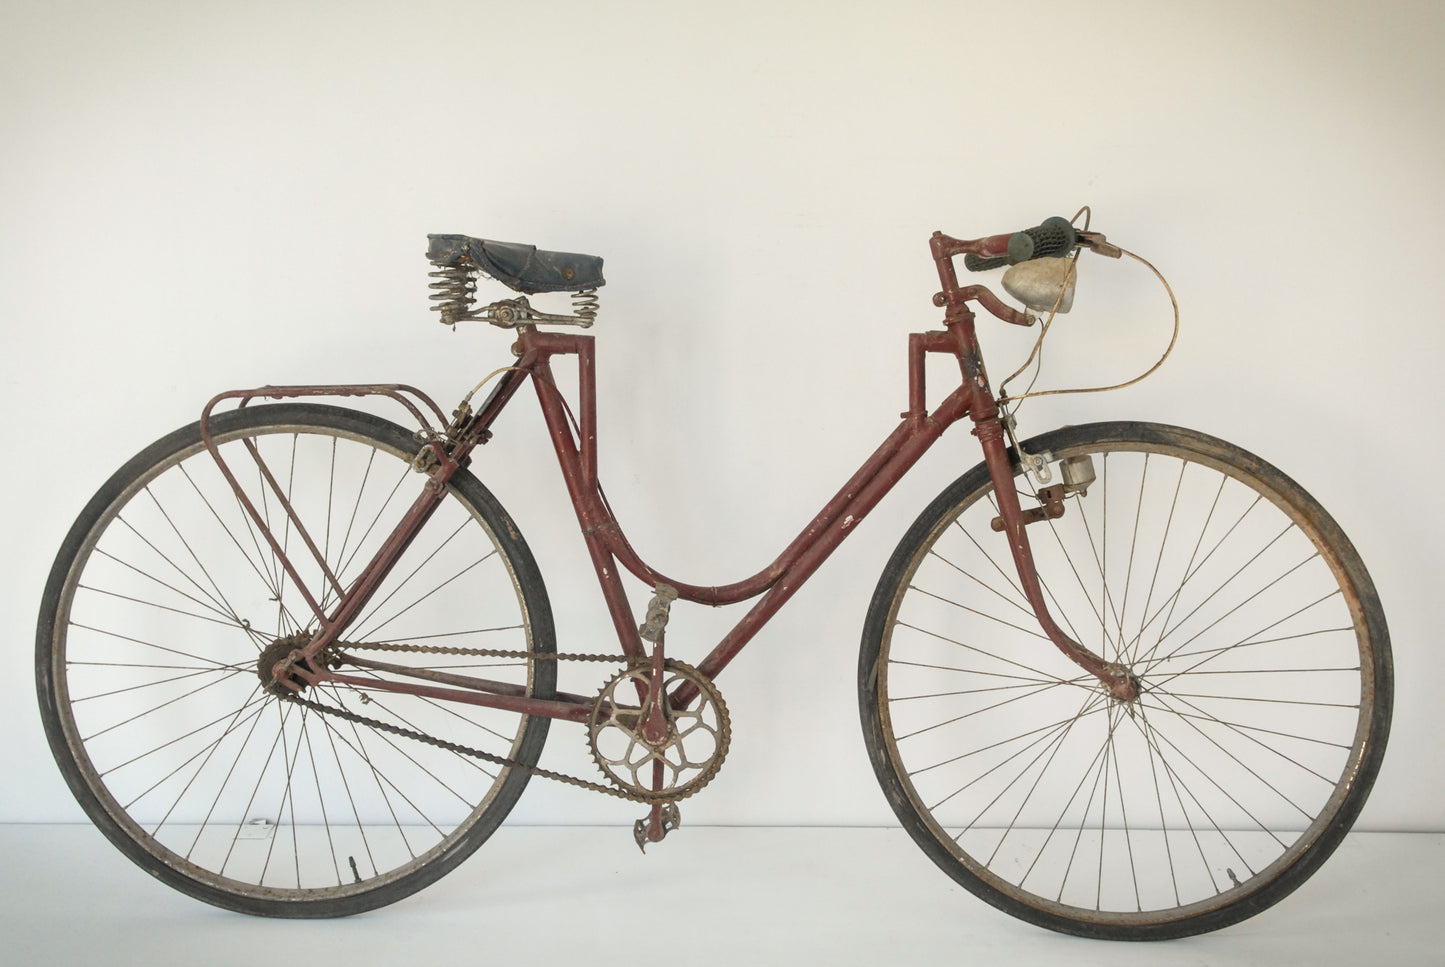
238	794
1249	735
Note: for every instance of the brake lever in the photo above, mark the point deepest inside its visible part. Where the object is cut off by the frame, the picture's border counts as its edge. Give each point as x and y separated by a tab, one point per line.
1096	242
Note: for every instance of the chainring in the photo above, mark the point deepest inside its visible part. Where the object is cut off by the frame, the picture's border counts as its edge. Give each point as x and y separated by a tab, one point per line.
693	746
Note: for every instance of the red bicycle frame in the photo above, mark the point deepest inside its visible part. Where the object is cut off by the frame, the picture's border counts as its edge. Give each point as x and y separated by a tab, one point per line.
575	444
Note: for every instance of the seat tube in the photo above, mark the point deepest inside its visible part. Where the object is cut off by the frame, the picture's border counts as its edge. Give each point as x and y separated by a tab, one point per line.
577	458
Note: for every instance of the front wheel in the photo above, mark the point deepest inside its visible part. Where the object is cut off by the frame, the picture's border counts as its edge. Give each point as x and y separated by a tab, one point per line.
167	609
1261	720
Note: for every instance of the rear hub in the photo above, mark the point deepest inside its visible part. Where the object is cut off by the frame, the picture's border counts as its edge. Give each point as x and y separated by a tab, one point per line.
278	651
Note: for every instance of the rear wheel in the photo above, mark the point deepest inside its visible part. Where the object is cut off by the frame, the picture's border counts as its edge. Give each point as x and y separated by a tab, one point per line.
1264	707
166	607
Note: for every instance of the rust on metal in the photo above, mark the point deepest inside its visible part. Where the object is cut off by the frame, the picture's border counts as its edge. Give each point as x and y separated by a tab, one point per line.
1051	507
296	664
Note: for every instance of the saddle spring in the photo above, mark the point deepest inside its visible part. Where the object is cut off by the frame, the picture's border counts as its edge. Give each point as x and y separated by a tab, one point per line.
455	295
585	305
456	291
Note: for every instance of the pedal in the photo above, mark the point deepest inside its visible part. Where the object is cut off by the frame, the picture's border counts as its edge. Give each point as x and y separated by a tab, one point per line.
663	819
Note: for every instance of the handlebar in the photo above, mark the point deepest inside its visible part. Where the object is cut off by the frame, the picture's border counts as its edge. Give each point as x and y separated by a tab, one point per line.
1052	238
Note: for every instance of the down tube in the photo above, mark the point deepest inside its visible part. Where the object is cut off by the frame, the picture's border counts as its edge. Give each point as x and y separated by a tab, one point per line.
913	438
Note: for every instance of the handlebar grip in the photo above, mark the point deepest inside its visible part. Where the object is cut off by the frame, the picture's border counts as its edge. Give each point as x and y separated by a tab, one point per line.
1053	238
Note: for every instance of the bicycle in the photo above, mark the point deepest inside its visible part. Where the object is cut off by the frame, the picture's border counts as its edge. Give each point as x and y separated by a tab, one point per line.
1121	680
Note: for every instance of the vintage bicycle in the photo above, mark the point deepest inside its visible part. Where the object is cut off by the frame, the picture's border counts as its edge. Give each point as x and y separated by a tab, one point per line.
1121	680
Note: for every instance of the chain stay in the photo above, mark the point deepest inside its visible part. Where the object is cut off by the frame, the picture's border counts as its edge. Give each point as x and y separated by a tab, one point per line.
632	795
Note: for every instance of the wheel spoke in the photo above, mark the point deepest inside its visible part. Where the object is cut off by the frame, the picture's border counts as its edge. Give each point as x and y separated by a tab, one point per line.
161	713
1218	585
253	561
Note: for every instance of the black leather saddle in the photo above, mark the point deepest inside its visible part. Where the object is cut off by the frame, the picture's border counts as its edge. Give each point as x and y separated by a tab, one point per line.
523	268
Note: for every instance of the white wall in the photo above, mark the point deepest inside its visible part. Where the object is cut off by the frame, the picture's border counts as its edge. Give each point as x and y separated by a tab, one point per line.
201	196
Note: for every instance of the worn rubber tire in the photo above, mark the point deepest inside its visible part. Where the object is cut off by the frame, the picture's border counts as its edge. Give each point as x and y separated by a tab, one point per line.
1273	882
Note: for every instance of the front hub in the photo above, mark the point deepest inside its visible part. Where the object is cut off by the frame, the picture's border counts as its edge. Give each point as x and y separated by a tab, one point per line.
1123	686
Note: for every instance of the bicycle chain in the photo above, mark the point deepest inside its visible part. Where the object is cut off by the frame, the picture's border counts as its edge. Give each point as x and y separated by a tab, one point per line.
632	795
480	652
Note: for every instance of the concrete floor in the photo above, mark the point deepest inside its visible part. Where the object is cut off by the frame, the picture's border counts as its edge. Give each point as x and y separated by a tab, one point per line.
707	896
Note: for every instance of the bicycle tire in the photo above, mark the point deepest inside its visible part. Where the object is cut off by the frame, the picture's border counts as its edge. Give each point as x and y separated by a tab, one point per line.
159	605
1263	716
